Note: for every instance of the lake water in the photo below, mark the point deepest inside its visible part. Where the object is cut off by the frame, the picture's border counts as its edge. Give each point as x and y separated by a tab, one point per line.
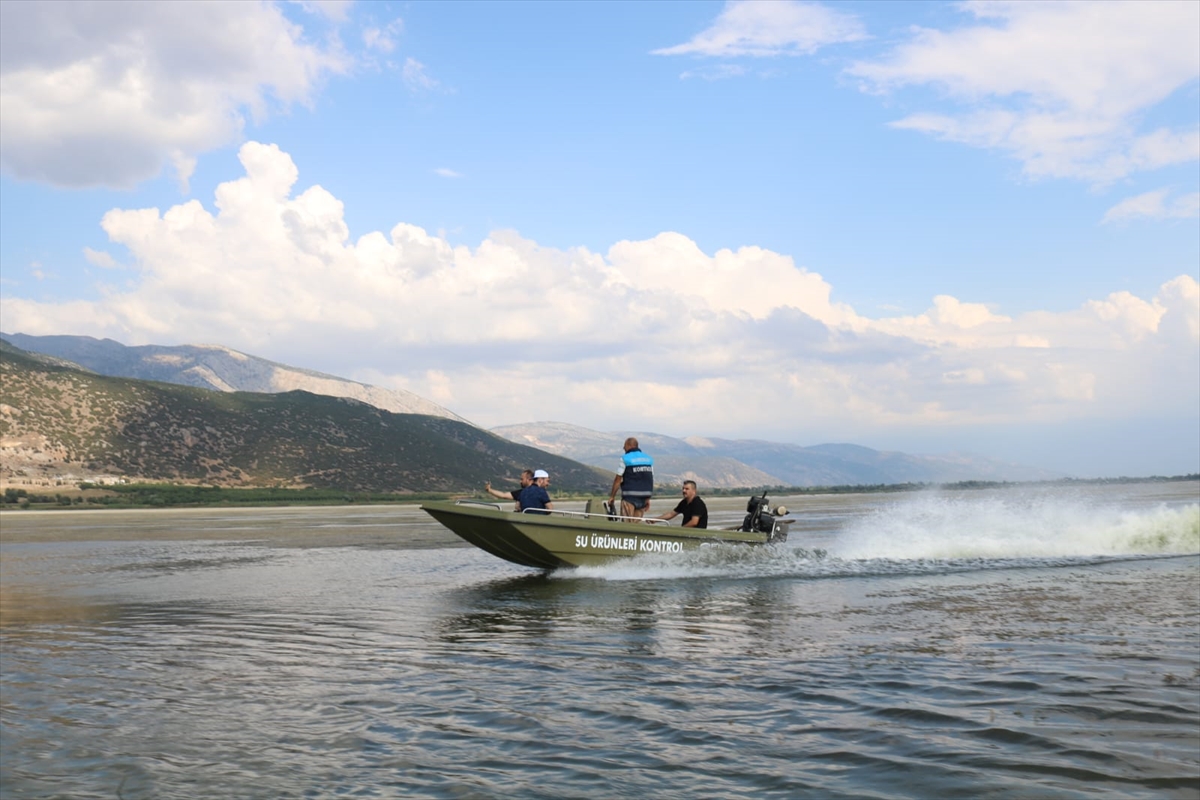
1019	643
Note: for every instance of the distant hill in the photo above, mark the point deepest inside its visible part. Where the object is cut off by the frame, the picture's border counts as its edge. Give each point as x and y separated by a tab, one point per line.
729	463
216	367
59	421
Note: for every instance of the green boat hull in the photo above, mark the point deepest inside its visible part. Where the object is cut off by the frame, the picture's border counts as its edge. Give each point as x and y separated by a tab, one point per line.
551	541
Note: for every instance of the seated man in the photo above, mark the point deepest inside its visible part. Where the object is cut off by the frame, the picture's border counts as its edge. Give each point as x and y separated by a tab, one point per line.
526	480
695	512
535	495
635	479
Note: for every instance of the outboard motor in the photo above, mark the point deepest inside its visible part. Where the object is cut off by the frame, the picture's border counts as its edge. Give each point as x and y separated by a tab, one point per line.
759	518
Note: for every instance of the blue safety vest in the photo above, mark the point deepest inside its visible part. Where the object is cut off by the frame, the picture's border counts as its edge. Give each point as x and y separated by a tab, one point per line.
637	477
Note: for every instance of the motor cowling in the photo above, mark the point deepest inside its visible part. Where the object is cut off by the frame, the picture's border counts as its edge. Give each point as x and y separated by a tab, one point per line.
759	519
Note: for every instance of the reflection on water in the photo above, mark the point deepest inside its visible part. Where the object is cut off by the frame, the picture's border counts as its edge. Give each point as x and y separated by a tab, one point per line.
254	668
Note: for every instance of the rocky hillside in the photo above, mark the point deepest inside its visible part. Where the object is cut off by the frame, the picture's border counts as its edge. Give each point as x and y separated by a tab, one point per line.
76	425
727	463
218	368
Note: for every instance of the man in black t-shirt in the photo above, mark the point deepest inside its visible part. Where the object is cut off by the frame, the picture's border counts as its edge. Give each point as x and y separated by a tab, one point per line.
526	480
695	513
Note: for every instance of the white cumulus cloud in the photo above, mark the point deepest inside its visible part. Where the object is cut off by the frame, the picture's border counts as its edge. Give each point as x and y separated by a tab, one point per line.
383	39
108	93
417	78
653	333
1155	205
762	28
99	258
1061	86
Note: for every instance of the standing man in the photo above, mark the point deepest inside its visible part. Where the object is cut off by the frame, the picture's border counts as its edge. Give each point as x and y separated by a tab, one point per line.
526	480
635	479
535	496
695	513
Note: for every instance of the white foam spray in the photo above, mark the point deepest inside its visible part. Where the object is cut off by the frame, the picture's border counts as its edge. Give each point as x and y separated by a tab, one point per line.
934	532
945	526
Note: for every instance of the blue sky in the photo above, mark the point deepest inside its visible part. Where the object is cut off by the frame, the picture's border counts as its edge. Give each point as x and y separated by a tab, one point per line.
920	226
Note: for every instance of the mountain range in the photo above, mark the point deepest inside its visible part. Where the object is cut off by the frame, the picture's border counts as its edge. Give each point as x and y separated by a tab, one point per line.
712	462
211	366
725	463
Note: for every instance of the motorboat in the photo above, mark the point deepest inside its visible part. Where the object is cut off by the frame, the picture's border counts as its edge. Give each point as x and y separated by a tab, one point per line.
550	539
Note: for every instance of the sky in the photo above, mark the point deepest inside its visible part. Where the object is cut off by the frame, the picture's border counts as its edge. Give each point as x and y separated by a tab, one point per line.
931	227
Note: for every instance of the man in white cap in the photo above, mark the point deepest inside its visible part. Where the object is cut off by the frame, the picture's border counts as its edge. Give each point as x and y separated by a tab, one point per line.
535	495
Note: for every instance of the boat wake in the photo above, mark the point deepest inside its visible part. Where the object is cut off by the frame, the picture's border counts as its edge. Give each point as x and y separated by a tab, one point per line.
934	534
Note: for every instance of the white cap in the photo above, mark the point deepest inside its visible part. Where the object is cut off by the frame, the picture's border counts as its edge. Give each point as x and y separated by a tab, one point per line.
540	473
